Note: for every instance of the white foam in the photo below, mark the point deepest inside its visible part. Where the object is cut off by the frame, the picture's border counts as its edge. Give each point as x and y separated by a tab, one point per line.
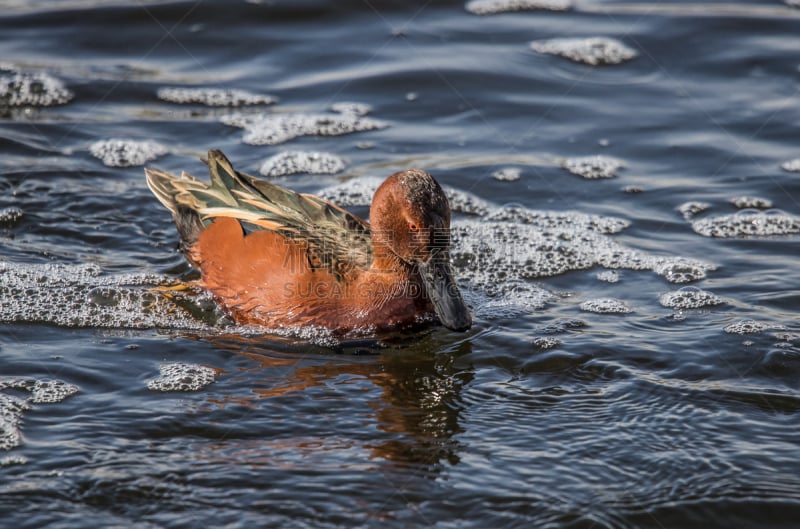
214	97
608	276
43	391
181	376
746	202
32	89
10	216
791	166
507	174
593	51
792	3
606	306
491	7
11	410
692	208
126	153
545	342
593	167
293	162
748	223
272	129
51	391
79	296
689	298
747	327
681	270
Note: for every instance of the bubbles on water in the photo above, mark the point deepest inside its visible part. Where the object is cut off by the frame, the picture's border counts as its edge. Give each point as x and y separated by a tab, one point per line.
747	327
43	391
32	89
507	174
606	306
751	202
50	391
690	209
11	410
545	342
271	129
182	377
214	97
491	7
126	153
293	162
792	166
593	167
680	270
689	298
609	276
79	296
9	216
593	51
748	223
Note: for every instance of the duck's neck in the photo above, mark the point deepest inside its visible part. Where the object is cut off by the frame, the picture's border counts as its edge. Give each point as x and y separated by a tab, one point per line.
384	260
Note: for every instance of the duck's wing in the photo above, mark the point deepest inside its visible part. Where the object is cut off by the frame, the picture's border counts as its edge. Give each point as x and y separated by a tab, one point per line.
336	239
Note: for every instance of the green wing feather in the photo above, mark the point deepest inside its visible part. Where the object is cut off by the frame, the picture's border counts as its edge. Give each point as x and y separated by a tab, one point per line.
336	239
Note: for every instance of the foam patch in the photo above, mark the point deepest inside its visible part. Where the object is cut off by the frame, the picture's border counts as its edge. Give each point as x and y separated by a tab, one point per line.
508	174
80	296
491	7
747	327
32	89
751	202
593	51
182	377
689	298
272	129
608	276
214	97
545	342
693	208
293	162
792	166
748	223
10	216
606	306
593	167
43	391
126	153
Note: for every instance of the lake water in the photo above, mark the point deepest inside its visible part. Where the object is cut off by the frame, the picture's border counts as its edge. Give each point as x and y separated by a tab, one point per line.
626	230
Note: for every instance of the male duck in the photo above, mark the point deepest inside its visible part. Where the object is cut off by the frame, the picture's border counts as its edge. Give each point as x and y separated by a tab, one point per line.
276	258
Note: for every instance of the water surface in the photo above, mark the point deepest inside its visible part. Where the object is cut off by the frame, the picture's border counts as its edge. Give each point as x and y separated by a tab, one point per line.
592	392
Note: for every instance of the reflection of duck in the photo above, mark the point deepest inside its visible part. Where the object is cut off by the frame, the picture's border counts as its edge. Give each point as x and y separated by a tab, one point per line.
275	257
414	415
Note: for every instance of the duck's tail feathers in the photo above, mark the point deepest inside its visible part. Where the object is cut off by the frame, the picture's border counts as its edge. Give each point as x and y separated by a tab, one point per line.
172	192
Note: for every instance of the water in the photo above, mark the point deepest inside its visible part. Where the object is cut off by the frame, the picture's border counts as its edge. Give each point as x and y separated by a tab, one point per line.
635	359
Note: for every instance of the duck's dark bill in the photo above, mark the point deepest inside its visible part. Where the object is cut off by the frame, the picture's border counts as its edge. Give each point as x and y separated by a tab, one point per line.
444	293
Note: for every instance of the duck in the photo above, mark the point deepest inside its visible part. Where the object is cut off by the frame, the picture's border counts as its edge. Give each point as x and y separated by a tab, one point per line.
275	258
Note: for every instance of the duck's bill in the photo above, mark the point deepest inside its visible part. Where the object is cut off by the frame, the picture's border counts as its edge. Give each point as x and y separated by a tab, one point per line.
444	294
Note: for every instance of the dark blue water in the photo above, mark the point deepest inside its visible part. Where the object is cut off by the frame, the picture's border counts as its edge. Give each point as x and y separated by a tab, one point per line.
592	391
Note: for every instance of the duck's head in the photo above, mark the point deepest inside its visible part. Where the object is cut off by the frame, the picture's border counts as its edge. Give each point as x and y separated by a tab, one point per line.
410	218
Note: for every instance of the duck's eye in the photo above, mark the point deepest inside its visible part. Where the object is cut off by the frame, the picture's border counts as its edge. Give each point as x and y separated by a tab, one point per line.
413	227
